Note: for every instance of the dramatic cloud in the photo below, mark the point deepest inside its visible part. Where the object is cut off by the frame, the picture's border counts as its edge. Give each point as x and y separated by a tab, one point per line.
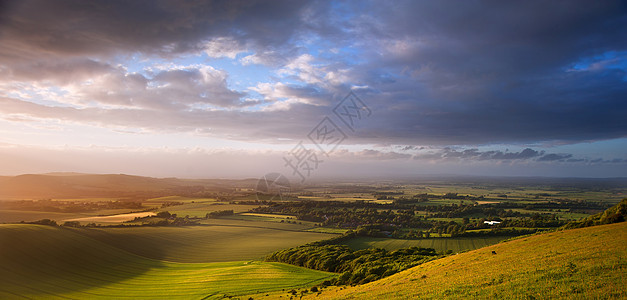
436	74
463	75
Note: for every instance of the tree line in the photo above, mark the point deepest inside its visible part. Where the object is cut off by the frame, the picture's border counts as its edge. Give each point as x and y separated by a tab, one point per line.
355	267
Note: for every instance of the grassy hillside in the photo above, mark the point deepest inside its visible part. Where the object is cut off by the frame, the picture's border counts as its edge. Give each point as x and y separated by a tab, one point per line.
56	263
586	263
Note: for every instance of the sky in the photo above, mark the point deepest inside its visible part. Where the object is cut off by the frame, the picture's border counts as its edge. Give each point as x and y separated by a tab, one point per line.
314	89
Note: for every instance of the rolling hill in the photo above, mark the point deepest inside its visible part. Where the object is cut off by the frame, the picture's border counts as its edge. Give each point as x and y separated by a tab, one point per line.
56	263
585	263
69	185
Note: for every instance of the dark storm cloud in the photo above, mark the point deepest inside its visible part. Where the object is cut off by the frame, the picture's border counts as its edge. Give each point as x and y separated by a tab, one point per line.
161	27
568	108
491	39
485	72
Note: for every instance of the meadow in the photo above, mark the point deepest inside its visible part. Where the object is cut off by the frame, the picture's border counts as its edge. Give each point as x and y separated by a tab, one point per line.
56	263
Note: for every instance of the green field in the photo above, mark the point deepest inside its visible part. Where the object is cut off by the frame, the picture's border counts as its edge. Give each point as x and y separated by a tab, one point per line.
457	244
56	263
267	218
587	263
179	199
200	209
328	230
248	222
202	243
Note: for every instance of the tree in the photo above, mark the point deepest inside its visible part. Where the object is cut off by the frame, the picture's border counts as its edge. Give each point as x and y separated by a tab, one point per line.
164	214
45	222
72	224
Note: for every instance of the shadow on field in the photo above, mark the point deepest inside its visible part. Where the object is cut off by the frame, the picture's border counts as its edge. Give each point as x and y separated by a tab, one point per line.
42	261
155	243
206	243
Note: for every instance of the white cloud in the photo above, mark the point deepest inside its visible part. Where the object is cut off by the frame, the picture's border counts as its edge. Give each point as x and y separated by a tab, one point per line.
282	96
224	47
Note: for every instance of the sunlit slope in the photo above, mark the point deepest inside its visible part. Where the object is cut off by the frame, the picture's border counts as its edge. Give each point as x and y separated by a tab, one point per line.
587	263
49	262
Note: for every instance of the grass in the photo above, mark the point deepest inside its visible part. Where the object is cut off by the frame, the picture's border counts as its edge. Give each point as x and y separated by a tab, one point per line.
57	263
439	244
587	263
202	243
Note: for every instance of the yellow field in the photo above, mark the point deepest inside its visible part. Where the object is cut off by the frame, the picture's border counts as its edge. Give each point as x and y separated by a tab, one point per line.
114	218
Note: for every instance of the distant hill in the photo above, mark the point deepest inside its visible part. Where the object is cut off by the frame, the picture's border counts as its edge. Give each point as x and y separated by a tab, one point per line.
585	263
74	185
